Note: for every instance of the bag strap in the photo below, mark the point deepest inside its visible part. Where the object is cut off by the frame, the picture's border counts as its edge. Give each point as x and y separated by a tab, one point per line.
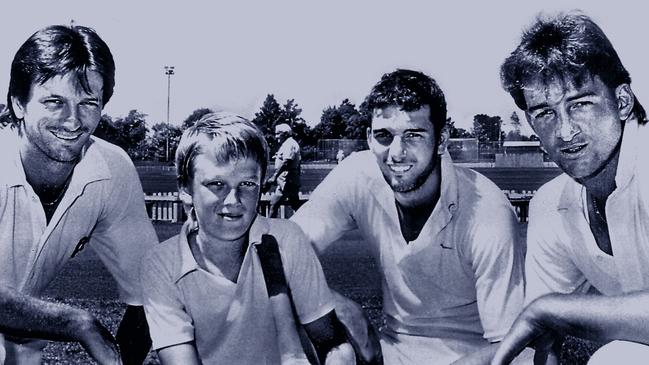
293	339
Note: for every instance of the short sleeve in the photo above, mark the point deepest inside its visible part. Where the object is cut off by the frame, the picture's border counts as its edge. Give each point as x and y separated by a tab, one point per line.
328	213
548	267
497	263
169	323
309	289
124	233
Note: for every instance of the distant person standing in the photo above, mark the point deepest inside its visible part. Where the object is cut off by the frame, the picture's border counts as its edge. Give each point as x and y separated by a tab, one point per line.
340	156
287	171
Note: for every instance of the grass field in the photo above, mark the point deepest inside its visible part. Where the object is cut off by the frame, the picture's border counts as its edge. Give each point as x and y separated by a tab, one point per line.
347	264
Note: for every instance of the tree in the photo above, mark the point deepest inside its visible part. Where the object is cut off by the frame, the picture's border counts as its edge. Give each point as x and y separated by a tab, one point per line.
343	121
129	133
195	116
163	142
267	117
487	128
456	132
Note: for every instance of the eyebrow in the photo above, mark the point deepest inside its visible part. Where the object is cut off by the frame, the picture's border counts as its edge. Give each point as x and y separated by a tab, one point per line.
407	130
580	95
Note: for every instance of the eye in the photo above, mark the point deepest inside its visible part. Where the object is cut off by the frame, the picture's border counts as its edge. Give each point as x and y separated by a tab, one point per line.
90	103
544	114
52	102
249	184
383	138
581	105
216	184
412	136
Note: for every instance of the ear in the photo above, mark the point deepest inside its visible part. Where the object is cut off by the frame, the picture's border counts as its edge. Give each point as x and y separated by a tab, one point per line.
625	100
18	108
444	137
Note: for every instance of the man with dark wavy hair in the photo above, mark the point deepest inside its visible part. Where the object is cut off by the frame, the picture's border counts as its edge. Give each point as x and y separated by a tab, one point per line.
443	235
587	264
63	190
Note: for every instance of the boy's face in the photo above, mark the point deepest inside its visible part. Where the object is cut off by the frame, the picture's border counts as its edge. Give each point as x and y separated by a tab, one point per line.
580	126
225	196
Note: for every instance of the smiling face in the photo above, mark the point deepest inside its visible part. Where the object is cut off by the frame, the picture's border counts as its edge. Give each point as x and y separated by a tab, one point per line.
60	116
580	127
405	147
224	196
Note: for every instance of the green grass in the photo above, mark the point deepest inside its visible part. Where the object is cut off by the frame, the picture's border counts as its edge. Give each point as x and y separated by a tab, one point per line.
85	283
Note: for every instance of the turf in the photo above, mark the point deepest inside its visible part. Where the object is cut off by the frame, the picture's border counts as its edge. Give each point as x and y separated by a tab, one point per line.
348	265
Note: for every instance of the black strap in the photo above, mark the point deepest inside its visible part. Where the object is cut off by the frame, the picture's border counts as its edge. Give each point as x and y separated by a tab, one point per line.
273	269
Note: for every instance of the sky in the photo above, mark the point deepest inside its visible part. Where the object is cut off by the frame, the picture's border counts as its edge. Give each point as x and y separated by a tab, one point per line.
230	55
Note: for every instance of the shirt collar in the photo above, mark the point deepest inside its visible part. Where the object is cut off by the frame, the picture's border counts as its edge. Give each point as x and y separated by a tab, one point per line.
188	263
573	191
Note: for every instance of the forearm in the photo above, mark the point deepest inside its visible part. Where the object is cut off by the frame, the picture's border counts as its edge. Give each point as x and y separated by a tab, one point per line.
596	317
26	316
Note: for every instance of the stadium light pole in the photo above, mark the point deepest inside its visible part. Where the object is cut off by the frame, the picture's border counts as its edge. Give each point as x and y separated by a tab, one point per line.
169	70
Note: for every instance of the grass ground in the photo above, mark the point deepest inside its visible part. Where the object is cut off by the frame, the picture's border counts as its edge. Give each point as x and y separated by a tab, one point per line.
85	283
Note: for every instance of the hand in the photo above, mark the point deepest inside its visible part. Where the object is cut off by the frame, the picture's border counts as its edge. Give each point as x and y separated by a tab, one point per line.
527	330
342	354
265	187
360	332
98	341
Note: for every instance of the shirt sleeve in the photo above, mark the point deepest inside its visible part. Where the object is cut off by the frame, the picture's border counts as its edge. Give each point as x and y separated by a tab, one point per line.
309	289
169	323
124	233
548	267
328	213
497	264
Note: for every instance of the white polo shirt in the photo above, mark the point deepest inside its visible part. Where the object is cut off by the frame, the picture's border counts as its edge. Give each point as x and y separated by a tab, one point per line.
288	151
103	208
563	255
231	323
461	279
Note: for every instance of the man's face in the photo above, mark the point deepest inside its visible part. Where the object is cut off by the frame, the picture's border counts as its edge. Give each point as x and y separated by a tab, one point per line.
281	136
60	116
579	126
224	196
405	147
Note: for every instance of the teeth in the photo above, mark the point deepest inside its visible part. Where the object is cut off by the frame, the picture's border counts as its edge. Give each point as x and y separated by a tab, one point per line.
573	149
400	168
66	136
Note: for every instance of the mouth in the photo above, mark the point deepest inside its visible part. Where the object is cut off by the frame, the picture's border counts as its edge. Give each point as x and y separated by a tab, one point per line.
230	217
399	168
67	136
573	150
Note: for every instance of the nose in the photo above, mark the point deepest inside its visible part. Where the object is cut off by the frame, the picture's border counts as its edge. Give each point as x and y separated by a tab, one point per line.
232	197
396	151
567	128
71	117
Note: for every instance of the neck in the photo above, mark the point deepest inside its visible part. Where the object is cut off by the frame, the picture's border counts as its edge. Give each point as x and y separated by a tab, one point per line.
601	184
426	195
42	172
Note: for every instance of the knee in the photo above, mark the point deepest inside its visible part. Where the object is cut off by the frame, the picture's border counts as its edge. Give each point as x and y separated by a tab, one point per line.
620	352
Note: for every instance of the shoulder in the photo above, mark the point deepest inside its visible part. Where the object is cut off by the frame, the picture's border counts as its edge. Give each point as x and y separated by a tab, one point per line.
163	259
116	159
282	229
480	192
360	164
548	197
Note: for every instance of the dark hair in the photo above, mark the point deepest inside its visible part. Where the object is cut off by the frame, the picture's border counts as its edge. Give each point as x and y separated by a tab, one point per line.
57	50
567	47
410	91
226	136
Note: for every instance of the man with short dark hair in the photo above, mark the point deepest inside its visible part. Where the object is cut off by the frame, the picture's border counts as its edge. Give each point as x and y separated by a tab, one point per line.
443	235
64	190
588	227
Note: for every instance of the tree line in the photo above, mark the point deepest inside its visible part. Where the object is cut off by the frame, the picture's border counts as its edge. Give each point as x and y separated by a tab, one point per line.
345	121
